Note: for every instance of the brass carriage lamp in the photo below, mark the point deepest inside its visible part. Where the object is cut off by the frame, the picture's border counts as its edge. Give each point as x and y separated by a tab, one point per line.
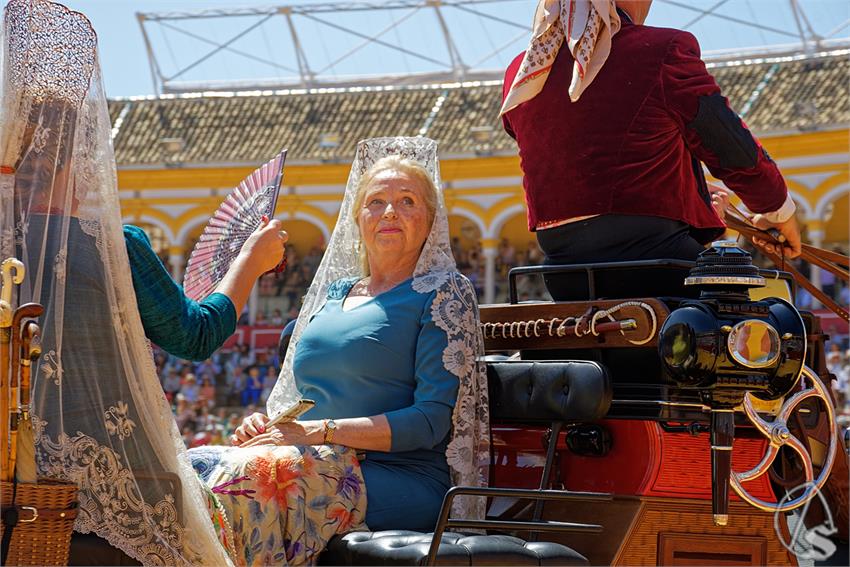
727	346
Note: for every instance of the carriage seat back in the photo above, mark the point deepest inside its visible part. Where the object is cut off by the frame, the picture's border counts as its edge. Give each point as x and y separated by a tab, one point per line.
568	391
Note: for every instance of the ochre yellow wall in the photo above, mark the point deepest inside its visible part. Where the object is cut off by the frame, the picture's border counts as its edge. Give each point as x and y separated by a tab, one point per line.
452	170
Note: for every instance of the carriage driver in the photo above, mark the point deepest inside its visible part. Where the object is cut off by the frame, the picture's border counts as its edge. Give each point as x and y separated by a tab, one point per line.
614	120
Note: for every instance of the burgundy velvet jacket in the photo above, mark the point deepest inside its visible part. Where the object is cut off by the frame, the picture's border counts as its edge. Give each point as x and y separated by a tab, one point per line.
633	142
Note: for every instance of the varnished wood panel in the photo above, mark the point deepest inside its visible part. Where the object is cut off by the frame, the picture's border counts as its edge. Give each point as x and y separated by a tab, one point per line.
678	550
661	518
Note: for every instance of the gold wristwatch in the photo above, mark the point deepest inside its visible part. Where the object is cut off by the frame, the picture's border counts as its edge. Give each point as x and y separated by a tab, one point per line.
330	429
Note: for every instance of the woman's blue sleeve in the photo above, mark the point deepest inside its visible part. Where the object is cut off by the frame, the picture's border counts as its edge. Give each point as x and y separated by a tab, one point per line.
426	423
183	327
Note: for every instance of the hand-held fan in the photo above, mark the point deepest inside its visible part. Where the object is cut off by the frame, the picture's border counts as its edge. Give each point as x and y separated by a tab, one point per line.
238	216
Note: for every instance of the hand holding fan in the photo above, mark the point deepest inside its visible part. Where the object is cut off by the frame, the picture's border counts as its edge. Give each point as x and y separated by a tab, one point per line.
236	219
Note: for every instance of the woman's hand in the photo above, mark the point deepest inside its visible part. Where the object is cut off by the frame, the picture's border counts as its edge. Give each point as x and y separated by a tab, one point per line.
252	426
262	252
266	246
291	433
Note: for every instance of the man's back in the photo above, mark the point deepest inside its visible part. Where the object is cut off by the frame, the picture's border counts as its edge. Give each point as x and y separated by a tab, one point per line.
627	146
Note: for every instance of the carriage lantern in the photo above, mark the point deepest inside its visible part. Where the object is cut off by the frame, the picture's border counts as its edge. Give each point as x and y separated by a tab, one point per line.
730	349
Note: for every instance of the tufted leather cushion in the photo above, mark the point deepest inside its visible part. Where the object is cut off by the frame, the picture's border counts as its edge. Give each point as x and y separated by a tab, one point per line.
400	547
547	391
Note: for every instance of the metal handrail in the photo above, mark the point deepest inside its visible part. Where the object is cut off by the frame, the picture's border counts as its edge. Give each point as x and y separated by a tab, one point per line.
525	493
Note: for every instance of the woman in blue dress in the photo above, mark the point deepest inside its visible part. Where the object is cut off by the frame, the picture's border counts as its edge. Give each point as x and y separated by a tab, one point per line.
387	345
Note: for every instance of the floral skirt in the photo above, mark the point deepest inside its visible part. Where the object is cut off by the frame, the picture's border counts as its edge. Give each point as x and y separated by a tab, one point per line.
274	505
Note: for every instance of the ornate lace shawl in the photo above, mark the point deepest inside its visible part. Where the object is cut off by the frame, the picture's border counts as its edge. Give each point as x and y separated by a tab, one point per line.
454	310
99	414
586	25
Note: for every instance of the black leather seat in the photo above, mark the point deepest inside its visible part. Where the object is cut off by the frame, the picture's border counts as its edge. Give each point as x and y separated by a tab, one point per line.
543	391
520	392
411	548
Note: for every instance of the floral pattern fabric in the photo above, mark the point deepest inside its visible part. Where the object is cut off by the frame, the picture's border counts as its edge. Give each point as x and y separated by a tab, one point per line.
276	505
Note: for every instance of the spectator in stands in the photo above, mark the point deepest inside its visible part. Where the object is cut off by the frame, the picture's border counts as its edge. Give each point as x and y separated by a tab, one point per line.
459	253
473	258
238	382
171	384
244	356
206	395
253	386
267	285
507	256
190	389
294	285
183	412
533	255
613	126
207	368
828	283
276	318
387	354
314	258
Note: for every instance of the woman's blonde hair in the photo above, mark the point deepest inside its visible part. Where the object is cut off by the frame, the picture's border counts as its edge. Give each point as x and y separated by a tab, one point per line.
408	167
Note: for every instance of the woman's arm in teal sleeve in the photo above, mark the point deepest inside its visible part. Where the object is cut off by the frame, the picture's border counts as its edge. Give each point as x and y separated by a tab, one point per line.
439	355
183	327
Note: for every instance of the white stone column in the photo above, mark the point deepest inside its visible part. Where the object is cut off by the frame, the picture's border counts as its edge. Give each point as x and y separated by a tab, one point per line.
816	234
489	250
177	261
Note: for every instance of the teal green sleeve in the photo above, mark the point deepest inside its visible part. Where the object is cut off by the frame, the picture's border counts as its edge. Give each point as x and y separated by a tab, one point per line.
427	423
185	328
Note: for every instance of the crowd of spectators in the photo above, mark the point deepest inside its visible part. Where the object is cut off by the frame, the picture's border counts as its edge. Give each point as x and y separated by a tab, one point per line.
471	262
210	398
280	294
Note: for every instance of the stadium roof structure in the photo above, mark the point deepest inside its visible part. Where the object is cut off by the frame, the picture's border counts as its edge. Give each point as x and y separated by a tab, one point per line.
775	95
421	42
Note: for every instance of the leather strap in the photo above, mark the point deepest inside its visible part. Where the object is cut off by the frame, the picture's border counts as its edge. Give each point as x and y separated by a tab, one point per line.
28	514
824	259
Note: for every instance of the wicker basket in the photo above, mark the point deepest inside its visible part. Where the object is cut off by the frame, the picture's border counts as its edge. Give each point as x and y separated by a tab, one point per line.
46	539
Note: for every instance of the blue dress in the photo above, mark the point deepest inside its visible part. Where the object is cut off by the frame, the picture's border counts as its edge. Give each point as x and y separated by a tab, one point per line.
385	356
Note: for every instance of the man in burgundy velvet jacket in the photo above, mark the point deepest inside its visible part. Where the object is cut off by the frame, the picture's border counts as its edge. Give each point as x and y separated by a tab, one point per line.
617	174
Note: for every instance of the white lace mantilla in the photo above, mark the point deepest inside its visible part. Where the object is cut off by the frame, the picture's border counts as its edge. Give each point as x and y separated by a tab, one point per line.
112	506
454	310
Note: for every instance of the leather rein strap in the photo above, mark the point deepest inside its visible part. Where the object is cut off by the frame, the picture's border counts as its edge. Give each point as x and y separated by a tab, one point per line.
833	262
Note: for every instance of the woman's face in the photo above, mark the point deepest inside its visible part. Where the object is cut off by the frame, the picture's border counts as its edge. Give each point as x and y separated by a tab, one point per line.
394	220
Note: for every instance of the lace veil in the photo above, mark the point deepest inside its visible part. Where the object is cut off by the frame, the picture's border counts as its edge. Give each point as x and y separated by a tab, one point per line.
454	310
100	417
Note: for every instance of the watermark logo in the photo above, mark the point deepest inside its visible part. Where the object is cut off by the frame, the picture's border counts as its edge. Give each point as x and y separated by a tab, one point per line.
807	543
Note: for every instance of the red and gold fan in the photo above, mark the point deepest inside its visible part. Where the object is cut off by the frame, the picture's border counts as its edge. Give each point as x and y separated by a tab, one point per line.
238	216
